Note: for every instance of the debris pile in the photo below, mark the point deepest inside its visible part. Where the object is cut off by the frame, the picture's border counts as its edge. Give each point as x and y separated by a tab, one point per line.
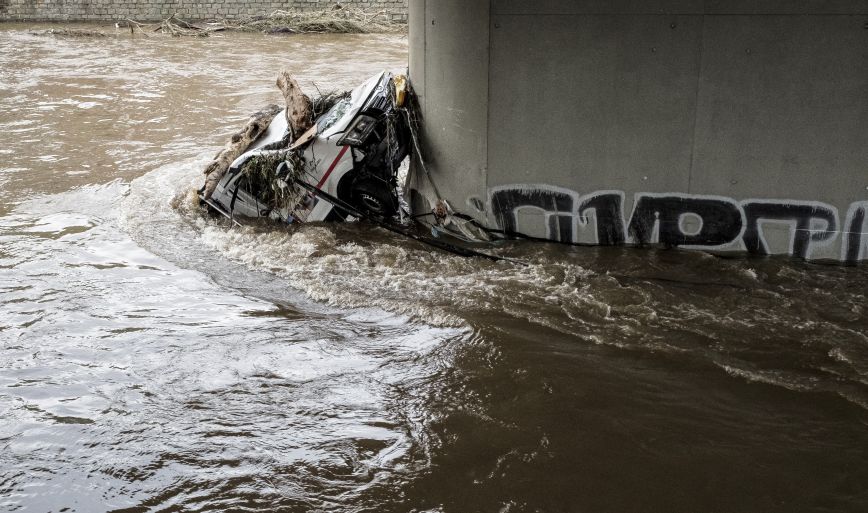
301	114
333	158
337	20
237	144
329	158
176	27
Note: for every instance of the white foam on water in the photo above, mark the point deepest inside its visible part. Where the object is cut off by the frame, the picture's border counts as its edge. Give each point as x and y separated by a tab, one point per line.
768	377
357	267
838	354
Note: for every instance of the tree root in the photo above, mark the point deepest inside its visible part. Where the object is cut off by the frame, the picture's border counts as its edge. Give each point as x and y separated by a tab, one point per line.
255	126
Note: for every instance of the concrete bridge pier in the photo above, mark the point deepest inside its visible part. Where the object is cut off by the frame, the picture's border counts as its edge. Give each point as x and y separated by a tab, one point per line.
721	125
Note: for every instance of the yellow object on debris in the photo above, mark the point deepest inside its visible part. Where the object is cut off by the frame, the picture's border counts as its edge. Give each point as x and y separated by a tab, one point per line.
400	82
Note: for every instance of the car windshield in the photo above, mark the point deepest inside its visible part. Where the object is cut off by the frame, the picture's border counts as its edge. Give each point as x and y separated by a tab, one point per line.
333	115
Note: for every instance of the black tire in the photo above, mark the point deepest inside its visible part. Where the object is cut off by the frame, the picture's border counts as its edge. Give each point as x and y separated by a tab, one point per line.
374	197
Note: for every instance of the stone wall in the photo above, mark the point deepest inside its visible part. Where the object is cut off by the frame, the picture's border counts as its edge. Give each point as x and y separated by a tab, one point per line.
153	10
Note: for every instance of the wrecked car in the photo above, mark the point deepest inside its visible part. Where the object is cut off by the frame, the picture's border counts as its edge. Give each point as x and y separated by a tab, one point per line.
349	156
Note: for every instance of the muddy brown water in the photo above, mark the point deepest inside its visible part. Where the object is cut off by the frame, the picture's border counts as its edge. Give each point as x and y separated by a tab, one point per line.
154	359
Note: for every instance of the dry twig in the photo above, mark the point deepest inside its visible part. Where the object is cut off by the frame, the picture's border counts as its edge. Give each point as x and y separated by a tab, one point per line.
178	27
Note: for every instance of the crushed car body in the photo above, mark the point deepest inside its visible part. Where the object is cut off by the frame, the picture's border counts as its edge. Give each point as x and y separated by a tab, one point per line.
350	154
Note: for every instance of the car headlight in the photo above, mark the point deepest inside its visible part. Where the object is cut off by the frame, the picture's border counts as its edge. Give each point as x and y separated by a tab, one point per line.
358	132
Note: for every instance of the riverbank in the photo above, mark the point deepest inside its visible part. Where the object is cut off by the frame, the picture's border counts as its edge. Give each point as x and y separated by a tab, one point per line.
343	20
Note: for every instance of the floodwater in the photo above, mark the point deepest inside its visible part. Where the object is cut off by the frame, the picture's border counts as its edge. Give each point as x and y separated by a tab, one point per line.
153	359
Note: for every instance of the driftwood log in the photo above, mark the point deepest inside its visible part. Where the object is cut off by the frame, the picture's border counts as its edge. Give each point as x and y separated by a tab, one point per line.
299	113
255	126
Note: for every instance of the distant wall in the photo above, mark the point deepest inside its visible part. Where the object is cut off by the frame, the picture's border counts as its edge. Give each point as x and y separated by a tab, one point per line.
150	10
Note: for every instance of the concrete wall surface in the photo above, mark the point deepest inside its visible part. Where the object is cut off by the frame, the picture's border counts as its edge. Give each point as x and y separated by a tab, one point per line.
724	125
154	10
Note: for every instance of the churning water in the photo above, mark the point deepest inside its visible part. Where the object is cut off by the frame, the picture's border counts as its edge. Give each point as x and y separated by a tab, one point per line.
154	359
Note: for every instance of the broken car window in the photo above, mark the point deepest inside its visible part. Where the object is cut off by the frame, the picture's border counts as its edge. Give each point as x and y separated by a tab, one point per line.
333	115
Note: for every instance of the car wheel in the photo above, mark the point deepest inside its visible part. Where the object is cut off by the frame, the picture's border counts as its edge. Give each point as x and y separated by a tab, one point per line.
374	197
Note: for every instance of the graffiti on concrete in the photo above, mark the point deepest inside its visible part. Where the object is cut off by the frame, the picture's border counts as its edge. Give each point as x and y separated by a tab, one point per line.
856	233
685	220
801	218
719	220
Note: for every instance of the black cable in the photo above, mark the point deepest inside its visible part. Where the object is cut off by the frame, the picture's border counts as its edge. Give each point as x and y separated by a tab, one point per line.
444	246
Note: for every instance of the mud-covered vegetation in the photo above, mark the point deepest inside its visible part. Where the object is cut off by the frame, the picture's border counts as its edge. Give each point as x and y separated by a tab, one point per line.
337	20
273	190
343	20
